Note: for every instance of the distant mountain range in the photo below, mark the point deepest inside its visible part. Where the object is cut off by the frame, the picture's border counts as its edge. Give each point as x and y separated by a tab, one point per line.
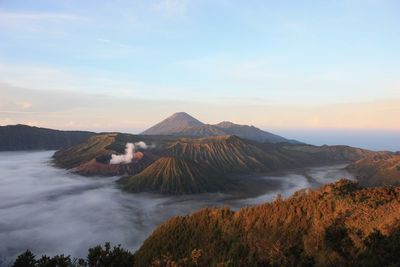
24	137
187	156
182	124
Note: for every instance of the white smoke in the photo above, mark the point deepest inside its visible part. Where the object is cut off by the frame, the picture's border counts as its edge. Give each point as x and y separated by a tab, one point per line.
141	145
130	150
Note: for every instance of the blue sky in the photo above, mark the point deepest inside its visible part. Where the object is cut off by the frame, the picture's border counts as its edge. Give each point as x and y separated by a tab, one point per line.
275	64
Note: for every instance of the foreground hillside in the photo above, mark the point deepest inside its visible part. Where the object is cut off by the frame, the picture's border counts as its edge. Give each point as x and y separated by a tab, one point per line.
24	137
336	225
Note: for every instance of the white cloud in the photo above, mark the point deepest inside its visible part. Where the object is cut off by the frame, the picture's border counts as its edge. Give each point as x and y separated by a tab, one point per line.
102	40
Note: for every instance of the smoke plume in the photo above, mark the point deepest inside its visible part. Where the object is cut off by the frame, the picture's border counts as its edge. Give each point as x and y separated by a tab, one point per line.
130	150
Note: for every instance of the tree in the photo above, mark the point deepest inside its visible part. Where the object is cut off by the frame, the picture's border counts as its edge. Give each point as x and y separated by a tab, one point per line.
26	259
106	257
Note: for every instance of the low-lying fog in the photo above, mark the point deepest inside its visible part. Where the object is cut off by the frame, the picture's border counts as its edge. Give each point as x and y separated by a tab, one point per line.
51	211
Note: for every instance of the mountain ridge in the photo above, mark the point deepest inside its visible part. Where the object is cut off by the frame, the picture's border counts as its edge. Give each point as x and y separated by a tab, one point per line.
184	125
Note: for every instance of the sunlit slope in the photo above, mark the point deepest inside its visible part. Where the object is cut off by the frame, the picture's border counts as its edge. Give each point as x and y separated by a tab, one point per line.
328	226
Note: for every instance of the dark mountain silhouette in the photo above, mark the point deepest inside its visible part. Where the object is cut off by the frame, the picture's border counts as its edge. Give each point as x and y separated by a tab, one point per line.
184	125
24	137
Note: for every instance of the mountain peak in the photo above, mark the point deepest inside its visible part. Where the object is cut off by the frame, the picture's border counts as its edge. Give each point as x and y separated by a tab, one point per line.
177	122
182	116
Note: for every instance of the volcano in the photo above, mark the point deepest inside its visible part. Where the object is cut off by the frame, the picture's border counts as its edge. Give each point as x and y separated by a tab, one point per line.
173	175
176	123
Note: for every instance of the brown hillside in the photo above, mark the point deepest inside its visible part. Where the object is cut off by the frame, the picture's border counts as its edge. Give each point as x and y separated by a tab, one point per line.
325	227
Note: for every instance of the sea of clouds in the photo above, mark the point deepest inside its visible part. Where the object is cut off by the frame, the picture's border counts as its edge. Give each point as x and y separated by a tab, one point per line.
52	211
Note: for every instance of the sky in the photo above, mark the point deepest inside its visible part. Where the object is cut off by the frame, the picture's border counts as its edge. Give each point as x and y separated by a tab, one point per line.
124	65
